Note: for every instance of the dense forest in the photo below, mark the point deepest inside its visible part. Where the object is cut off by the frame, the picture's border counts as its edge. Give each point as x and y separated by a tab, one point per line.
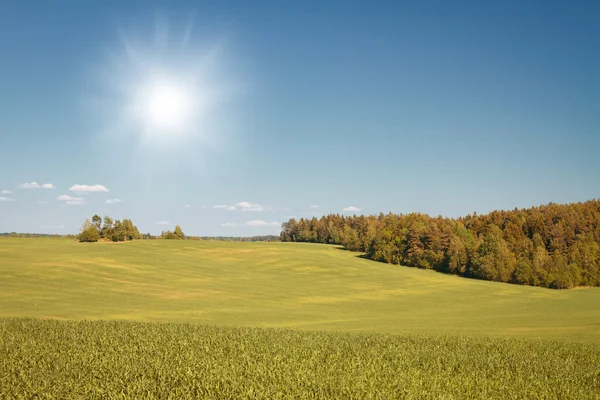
555	246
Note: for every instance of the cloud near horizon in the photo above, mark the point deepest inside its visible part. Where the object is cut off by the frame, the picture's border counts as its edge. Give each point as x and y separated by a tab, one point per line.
6	199
246	206
113	201
70	200
224	207
5	192
88	188
163	223
229	224
259	222
35	185
351	208
243	206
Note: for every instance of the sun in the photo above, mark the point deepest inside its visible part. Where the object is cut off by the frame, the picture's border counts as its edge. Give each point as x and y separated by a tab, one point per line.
165	105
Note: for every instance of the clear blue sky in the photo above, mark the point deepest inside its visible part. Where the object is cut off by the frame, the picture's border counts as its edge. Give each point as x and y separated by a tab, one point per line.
431	106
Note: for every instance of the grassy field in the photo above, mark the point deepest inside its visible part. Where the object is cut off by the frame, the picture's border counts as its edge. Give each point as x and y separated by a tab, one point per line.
46	359
224	320
283	285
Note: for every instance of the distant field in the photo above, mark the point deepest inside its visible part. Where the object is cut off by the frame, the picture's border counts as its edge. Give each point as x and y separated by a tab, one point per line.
283	285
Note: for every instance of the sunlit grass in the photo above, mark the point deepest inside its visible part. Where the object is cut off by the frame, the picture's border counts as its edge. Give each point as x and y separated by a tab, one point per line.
71	359
285	285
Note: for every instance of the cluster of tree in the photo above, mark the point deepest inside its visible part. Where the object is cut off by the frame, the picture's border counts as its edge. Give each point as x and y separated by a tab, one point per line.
556	246
33	235
108	229
177	234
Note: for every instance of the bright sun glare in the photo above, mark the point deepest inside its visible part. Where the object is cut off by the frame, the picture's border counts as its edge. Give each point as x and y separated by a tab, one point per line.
165	85
166	105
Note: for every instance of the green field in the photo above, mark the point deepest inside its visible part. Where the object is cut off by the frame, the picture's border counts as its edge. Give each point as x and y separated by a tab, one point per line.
285	285
196	321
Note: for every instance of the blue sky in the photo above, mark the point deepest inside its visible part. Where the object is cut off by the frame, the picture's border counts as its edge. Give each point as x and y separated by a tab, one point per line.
293	110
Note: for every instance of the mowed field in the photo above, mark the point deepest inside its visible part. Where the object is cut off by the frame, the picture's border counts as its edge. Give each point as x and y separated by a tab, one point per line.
282	285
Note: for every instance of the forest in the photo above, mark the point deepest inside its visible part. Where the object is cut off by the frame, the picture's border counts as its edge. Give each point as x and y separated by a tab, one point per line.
555	245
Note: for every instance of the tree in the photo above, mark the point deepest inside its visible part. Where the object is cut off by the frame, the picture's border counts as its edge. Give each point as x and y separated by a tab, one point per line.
97	222
88	232
178	233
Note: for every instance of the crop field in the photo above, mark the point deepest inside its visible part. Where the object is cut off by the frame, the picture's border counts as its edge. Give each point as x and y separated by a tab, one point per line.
201	319
99	359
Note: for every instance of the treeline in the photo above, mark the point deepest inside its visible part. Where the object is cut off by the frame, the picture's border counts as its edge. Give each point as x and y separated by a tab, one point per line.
108	229
555	246
119	231
34	235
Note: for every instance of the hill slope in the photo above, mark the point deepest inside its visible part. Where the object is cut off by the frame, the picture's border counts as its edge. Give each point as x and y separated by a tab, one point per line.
289	285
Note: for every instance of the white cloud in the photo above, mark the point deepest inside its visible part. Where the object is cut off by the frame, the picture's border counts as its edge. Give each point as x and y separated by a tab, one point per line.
287	209
224	207
6	199
259	222
88	188
229	224
314	206
52	227
32	185
113	201
163	223
35	185
41	202
5	192
75	201
351	208
187	206
245	206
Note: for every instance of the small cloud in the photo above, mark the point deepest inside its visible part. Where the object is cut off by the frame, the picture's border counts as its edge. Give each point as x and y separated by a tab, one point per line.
41	202
5	192
203	207
35	185
259	222
224	207
245	206
187	206
314	206
229	224
113	201
88	188
163	223
31	185
351	208
6	199
70	200
52	227
287	209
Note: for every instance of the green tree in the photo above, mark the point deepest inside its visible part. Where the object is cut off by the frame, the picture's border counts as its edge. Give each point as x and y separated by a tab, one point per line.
88	232
178	233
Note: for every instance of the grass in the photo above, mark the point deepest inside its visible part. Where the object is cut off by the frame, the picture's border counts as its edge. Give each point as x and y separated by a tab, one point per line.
223	320
281	285
119	360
